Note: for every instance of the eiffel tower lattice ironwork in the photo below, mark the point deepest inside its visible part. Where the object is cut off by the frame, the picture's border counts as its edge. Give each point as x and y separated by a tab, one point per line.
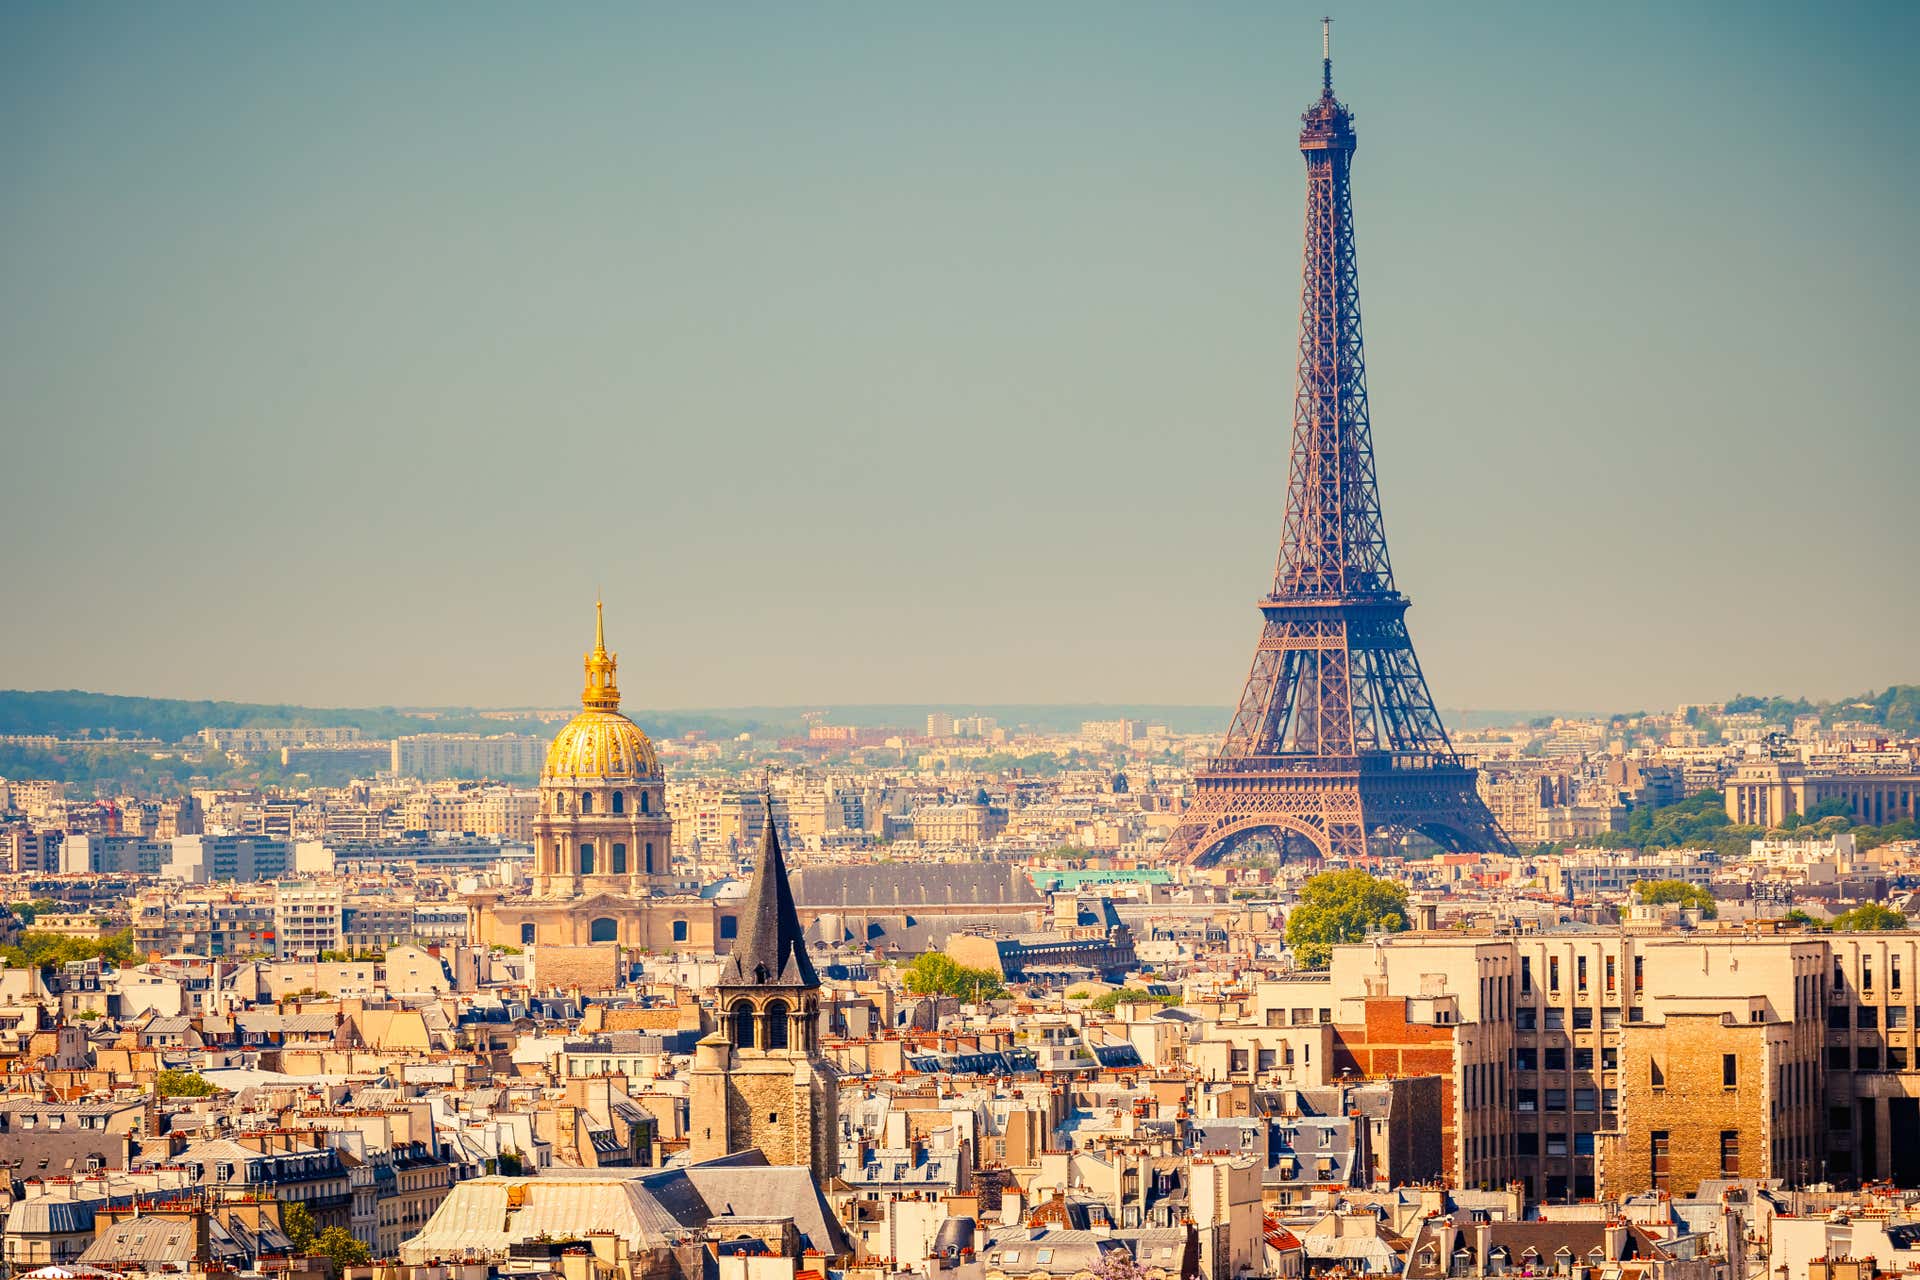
1336	739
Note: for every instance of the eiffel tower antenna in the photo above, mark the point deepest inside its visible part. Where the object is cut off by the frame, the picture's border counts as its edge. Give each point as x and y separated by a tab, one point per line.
1336	741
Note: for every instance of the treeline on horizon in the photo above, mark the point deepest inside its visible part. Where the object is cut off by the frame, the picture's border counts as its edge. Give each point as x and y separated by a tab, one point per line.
73	712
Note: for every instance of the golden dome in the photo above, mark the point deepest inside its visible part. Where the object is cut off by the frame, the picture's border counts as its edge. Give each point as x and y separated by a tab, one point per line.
600	743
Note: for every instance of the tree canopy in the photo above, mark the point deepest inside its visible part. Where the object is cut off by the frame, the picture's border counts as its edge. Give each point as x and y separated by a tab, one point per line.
1680	892
1869	916
1342	906
936	973
1108	1001
173	1083
40	950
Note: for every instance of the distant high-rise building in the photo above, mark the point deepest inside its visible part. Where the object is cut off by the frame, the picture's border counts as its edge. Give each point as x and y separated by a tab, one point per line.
939	724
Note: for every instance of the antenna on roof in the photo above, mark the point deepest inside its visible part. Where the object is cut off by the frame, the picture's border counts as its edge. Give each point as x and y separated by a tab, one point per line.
1326	56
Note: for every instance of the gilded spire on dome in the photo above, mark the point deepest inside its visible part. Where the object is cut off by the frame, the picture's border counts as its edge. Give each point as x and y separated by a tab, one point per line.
602	691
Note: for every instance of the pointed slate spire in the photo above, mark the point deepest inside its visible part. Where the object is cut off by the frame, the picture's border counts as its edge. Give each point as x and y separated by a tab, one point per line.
772	948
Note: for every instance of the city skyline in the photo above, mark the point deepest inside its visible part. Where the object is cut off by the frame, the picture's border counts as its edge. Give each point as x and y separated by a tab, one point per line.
356	397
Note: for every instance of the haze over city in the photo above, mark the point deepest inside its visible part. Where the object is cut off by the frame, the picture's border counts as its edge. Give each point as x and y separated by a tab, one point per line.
906	356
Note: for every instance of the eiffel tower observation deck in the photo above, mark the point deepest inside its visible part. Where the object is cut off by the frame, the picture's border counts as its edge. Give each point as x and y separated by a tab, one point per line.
1336	749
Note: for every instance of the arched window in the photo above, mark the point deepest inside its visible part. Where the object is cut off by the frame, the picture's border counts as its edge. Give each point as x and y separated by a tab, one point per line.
776	1024
729	926
619	802
586	802
526	935
742	1015
605	929
619	854
679	930
586	859
643	802
559	802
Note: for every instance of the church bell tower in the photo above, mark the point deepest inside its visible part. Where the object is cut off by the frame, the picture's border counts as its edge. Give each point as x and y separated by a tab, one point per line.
758	1081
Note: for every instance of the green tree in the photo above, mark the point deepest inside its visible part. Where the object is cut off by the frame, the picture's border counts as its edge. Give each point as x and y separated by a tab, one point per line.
338	1245
1869	916
296	1223
1108	1001
1661	892
1796	916
1342	906
937	973
173	1083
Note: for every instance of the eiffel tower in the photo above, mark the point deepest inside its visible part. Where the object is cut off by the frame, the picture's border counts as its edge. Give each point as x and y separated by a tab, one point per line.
1336	743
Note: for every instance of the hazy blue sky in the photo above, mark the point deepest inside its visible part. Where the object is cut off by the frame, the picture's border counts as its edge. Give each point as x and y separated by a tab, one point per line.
872	353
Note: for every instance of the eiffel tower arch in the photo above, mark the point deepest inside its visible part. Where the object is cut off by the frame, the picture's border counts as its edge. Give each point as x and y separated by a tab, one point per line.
1336	746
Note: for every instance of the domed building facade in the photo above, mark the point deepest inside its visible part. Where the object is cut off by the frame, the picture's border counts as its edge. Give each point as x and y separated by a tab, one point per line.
603	868
603	824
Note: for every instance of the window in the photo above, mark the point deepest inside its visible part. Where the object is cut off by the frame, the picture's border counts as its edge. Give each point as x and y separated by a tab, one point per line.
1556	1019
1866	973
526	935
776	1024
1583	1144
1729	1153
1869	1017
619	853
1580	974
1609	1099
729	926
1553	973
586	859
1837	1058
1610	975
619	802
1556	1059
1729	1071
1656	1073
1840	1119
742	1016
1609	1019
1657	1156
1583	1059
1586	1100
1869	1058
1639	974
1526	1144
1897	1017
1526	1100
679	930
1839	974
604	929
1525	1019
1556	1099
1896	1059
1556	1144
649	854
1837	1019
1583	1019
586	802
1893	972
1526	973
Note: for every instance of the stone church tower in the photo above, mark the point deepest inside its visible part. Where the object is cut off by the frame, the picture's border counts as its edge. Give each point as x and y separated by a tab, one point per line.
759	1081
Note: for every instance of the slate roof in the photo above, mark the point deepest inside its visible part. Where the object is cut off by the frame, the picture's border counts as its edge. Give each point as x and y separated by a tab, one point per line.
772	947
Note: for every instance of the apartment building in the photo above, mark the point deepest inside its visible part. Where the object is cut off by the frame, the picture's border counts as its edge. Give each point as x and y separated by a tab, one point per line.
1601	1062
